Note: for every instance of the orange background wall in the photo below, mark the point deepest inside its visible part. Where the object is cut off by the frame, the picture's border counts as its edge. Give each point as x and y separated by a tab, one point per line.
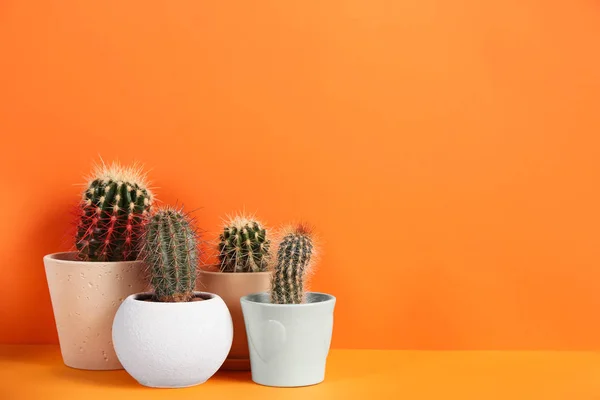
447	151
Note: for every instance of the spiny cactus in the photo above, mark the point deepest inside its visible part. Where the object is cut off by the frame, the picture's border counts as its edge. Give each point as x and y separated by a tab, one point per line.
113	208
170	251
244	246
293	262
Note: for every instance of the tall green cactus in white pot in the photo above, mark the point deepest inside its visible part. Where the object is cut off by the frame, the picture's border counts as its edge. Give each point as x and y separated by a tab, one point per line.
289	328
174	337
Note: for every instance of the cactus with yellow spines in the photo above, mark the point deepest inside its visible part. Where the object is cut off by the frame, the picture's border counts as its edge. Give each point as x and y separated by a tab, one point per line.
244	245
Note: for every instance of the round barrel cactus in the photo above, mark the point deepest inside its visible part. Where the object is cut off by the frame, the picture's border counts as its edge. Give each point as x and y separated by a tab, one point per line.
113	210
244	246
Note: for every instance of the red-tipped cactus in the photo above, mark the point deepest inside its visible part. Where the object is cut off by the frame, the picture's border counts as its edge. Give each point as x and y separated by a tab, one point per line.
114	209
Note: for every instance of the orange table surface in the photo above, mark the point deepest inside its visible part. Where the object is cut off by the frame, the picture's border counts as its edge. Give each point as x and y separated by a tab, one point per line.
37	372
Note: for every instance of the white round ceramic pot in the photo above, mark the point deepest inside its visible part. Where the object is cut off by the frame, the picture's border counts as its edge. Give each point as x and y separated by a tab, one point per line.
288	343
172	345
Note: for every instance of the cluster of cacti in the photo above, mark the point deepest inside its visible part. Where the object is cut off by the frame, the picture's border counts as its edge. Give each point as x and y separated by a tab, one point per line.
293	262
244	246
171	253
116	224
114	208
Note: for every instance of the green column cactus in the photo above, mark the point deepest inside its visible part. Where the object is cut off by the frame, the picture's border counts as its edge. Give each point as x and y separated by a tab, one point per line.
244	246
113	211
294	256
170	250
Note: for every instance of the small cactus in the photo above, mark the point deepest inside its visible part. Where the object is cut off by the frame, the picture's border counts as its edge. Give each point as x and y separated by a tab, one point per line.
293	262
244	246
170	251
113	211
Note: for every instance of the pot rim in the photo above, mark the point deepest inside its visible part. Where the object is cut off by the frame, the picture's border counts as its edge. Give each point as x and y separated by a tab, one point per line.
203	271
55	258
330	299
211	298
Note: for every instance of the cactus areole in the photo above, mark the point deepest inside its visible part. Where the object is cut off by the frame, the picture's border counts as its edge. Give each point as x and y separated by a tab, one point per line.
113	210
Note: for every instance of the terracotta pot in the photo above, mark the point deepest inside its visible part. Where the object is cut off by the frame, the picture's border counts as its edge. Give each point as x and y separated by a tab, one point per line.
231	286
85	297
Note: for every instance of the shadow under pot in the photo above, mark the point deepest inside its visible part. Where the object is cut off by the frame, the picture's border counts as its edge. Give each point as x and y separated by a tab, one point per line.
288	343
85	297
172	345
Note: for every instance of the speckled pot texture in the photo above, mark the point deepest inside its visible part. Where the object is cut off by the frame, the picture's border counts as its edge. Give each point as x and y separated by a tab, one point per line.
85	297
172	345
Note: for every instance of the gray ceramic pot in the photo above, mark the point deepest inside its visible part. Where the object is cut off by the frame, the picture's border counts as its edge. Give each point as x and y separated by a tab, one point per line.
288	343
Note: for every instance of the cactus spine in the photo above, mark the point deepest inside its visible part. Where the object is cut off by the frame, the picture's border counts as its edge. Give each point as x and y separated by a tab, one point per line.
293	261
244	246
113	211
170	250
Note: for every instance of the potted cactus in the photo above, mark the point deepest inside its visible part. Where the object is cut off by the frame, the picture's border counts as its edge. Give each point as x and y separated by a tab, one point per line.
289	330
244	258
86	286
173	337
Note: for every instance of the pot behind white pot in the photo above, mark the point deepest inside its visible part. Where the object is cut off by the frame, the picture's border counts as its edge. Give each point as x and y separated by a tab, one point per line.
288	343
172	345
231	287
